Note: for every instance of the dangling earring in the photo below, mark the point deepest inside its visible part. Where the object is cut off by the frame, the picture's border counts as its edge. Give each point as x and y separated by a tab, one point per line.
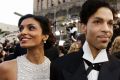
44	41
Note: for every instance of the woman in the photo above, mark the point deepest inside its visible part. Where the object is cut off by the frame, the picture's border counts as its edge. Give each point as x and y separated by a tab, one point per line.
75	46
115	45
2	53
35	35
115	48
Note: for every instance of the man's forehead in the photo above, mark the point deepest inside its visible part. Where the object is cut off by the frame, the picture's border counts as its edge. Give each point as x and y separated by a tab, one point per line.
103	13
102	18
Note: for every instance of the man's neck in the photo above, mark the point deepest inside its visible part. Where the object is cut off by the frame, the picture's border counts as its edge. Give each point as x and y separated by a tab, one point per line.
94	51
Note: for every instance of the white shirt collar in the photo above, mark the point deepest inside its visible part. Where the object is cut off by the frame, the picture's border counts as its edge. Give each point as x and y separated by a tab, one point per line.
101	57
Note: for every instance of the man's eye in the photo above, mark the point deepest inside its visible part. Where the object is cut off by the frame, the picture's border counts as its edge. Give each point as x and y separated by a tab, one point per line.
111	23
97	22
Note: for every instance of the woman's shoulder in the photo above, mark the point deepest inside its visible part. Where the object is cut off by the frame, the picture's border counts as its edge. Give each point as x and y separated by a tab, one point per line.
7	67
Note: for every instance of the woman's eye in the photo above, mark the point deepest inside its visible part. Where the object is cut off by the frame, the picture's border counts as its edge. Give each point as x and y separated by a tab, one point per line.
31	27
20	28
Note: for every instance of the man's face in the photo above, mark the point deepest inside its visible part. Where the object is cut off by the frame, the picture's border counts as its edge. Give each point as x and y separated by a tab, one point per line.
99	28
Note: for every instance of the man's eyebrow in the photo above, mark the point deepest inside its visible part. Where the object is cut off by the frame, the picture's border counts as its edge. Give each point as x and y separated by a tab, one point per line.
98	18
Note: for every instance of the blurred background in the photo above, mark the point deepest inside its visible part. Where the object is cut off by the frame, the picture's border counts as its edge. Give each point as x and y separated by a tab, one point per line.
63	16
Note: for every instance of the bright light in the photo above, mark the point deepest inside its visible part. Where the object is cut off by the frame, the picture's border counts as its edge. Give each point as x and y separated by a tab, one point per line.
118	15
61	42
64	23
72	21
52	26
76	20
57	33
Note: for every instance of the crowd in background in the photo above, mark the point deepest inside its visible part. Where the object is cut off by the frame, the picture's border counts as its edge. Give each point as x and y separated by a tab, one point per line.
72	44
7	48
82	55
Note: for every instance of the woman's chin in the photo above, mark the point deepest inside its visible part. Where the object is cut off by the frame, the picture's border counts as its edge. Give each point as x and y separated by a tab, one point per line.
24	46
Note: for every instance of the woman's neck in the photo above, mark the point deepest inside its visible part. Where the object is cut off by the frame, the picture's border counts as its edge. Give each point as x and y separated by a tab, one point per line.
35	56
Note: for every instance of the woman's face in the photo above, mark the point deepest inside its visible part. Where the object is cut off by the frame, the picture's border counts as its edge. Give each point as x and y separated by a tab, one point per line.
30	33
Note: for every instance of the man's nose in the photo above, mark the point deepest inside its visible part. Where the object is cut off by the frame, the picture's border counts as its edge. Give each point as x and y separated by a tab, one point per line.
106	27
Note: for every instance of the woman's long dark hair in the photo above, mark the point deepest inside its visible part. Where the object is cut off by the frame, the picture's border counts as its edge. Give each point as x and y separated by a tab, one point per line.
46	29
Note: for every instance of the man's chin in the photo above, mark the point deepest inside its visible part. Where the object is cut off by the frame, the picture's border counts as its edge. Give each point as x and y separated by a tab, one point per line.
103	46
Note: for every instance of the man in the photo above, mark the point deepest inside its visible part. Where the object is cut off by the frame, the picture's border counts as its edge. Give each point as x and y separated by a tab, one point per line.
92	61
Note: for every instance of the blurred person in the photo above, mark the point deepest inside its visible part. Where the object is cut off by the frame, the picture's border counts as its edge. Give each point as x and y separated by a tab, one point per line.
36	36
73	32
52	53
11	48
115	48
6	46
62	51
75	46
116	32
2	53
92	61
81	39
115	45
18	51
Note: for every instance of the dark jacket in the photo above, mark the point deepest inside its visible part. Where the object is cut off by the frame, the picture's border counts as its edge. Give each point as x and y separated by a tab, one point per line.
71	67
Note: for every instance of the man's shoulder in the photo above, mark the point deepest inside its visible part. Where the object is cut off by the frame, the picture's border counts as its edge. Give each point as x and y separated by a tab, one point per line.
68	60
70	57
113	63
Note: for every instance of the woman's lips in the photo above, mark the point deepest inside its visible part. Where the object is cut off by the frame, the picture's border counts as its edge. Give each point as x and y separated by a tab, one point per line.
24	39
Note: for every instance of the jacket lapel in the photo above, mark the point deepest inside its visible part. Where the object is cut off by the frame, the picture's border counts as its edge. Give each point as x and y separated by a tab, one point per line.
79	74
110	70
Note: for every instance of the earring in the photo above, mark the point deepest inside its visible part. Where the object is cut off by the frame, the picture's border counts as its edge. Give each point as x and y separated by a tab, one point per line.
44	41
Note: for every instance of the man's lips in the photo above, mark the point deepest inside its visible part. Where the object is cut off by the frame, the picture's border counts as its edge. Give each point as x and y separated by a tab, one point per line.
104	38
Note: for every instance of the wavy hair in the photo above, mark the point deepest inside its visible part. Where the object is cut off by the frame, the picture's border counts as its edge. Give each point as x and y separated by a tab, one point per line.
46	29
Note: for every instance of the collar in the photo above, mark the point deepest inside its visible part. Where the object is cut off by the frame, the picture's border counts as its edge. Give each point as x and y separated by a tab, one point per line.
101	57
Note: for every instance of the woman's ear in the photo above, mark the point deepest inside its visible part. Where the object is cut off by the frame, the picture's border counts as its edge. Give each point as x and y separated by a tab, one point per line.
45	37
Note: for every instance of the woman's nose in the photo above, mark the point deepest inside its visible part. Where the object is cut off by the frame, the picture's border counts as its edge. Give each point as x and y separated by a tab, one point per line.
24	31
